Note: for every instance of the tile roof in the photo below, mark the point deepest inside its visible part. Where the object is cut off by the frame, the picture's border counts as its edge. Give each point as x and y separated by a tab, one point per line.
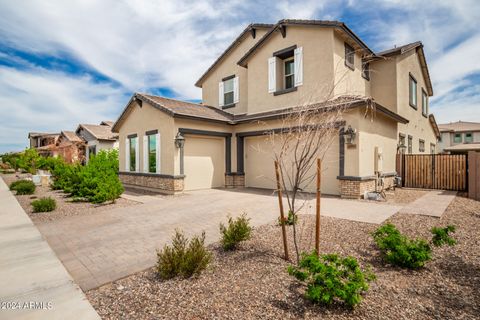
400	49
107	123
100	132
459	126
71	136
464	147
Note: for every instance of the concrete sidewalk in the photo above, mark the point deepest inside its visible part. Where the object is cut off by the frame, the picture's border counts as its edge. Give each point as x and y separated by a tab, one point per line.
33	282
432	204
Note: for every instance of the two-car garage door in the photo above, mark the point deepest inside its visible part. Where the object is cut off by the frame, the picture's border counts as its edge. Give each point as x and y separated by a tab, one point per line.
260	171
204	161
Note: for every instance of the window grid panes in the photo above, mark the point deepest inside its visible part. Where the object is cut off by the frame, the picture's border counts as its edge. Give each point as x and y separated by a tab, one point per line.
228	91
289	74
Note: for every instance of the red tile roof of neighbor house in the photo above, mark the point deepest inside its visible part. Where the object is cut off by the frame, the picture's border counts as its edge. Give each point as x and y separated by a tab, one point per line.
459	126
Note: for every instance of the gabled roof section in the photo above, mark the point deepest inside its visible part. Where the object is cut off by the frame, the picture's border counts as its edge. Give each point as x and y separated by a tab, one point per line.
294	22
100	132
71	136
418	47
175	108
107	123
41	134
249	29
459	126
434	125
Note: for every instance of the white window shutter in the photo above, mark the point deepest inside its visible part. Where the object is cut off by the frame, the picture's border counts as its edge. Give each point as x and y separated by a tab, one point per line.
272	70
145	153
298	66
220	94
127	154
137	156
235	90
157	139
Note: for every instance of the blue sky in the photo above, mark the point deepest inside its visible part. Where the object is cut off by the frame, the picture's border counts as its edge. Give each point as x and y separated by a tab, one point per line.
69	62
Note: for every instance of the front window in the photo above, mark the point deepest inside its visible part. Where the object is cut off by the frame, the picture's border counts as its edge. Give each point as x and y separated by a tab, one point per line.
289	73
228	91
366	70
133	153
410	142
92	150
413	92
421	145
468	137
457	138
152	153
424	103
349	56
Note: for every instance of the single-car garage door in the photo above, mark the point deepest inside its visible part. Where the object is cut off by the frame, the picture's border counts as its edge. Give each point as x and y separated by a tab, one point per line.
204	162
260	170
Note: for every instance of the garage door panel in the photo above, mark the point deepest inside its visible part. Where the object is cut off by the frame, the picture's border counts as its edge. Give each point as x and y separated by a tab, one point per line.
204	162
260	171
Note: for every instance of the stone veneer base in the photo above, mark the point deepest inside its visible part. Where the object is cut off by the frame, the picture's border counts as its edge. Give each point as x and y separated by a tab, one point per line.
355	189
152	182
234	180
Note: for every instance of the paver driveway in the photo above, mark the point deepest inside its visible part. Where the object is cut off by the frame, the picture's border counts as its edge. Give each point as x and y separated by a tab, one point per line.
99	248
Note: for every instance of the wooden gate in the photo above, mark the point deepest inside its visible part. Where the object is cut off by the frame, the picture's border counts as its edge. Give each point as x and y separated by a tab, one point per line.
474	175
433	171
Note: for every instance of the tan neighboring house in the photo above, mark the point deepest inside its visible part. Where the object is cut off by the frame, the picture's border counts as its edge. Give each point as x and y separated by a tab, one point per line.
71	147
97	137
172	146
44	143
459	137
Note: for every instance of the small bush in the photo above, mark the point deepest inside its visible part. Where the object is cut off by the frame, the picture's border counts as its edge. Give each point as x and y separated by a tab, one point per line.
441	236
290	220
44	205
238	230
330	278
399	250
23	187
183	258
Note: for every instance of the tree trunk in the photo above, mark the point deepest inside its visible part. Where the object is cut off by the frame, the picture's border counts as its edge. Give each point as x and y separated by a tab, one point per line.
282	215
317	222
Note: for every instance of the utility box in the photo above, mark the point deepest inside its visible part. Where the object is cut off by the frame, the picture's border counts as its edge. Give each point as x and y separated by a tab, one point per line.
378	160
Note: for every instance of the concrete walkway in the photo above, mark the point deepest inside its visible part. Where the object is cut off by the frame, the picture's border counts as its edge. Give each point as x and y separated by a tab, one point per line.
432	204
100	248
32	279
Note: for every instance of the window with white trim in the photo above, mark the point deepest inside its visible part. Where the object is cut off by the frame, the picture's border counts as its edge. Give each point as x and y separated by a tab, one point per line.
132	144
421	145
412	87
152	152
288	73
424	103
228	92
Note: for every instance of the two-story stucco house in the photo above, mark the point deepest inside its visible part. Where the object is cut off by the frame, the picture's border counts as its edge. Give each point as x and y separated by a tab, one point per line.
459	137
97	137
172	146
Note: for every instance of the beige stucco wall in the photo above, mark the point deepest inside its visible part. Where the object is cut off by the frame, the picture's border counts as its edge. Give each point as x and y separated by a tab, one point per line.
229	67
317	46
146	118
419	126
383	82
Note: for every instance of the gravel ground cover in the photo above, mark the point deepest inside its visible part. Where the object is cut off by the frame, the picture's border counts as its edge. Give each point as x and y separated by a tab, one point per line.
65	207
252	282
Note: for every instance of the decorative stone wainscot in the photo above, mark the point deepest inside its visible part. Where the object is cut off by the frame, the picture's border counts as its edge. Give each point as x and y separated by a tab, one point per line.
355	187
161	183
234	180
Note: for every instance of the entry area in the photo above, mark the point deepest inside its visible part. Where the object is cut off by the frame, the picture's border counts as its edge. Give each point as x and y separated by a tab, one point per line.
260	171
204	161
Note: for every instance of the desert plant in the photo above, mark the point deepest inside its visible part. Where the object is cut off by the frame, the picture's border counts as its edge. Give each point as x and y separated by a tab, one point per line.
399	250
23	187
44	205
236	231
14	184
330	278
290	220
441	236
183	258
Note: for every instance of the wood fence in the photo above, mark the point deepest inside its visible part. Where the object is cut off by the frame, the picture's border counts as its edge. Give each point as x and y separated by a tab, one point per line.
433	171
474	175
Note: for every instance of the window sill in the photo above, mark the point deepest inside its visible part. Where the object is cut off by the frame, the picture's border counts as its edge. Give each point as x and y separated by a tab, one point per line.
228	106
350	66
366	78
280	92
413	106
425	115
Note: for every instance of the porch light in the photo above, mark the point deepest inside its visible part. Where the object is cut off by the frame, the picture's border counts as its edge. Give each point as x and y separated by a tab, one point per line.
179	140
350	135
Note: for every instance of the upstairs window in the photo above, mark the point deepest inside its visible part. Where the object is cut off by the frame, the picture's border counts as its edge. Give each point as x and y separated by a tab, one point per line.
349	56
410	143
289	73
432	148
401	143
366	70
468	137
457	138
412	92
228	92
421	145
424	103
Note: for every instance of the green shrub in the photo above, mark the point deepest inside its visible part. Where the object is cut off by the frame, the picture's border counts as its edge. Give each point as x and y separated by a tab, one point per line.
23	187
183	258
44	205
441	236
399	250
14	184
290	220
238	230
330	278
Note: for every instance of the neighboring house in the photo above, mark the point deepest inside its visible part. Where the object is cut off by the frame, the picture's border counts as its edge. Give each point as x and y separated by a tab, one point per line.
171	146
71	147
97	137
459	137
44	143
